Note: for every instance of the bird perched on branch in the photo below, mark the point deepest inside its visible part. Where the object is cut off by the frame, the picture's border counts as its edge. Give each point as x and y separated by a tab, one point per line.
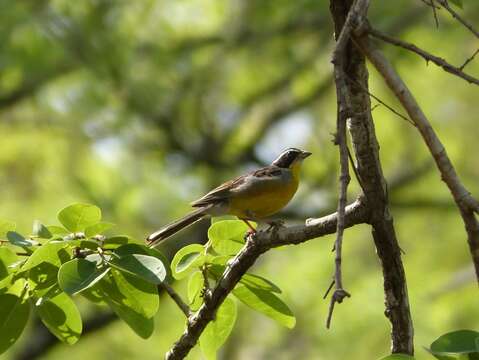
253	196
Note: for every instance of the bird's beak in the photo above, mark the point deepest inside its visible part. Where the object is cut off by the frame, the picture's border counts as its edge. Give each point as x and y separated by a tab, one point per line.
305	154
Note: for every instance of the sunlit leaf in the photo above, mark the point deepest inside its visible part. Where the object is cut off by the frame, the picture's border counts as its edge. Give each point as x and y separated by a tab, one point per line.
114	242
148	268
78	275
14	313
195	286
250	280
7	258
227	236
134	300
266	303
218	330
43	264
57	230
133	248
77	217
61	316
98	228
186	259
455	344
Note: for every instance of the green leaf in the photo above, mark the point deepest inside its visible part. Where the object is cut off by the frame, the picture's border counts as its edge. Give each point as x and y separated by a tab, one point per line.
219	260
41	230
77	217
227	237
143	326
137	294
114	242
43	264
148	268
98	228
250	280
133	248
195	286
455	343
14	312
217	331
398	357
57	230
78	275
266	303
458	3
6	226
94	294
134	300
7	258
61	316
19	240
186	259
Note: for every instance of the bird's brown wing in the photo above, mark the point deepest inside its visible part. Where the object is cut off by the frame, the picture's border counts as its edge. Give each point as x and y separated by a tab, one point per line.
222	192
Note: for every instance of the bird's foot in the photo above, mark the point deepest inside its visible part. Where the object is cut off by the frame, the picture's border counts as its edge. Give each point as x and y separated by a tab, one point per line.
249	233
274	225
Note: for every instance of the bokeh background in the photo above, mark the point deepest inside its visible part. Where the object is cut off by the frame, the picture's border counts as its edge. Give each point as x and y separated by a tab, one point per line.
141	106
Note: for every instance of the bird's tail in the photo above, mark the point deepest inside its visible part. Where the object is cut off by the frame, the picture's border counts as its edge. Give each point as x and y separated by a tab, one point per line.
178	225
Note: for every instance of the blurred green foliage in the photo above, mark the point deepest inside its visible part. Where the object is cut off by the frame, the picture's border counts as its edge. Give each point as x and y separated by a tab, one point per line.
141	106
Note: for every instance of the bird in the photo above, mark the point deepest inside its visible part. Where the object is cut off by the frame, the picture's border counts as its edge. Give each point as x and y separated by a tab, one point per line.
251	197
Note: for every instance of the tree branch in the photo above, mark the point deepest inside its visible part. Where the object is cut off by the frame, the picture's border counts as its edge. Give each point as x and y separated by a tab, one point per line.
427	56
344	111
455	15
176	298
466	203
355	213
366	149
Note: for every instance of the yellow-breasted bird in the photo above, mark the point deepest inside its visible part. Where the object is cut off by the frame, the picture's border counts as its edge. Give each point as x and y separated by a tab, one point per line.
253	196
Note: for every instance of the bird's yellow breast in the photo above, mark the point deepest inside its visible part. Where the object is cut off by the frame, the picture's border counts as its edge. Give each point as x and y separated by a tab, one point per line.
265	199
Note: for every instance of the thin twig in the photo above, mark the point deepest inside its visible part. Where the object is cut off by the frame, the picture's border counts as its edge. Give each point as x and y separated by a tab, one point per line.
455	15
468	60
328	289
429	4
176	298
434	12
427	56
354	20
390	108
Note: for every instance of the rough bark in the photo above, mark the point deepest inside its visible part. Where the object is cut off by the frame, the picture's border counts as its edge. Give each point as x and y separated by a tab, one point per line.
366	150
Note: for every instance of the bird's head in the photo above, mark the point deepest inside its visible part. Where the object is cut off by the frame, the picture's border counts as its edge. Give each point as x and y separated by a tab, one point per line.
290	157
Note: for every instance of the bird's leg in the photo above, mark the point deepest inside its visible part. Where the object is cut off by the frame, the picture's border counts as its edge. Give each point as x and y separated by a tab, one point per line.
274	224
251	230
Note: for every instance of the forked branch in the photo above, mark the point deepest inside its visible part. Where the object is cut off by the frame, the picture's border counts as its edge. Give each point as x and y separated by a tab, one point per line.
466	203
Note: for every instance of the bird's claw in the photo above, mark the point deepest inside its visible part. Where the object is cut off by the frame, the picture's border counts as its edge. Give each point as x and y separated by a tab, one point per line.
249	233
275	224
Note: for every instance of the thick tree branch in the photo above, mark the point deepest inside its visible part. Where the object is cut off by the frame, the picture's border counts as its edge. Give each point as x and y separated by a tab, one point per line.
466	203
427	56
366	149
356	213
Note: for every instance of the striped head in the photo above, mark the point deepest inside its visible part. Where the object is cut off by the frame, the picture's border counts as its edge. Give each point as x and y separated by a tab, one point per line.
290	157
